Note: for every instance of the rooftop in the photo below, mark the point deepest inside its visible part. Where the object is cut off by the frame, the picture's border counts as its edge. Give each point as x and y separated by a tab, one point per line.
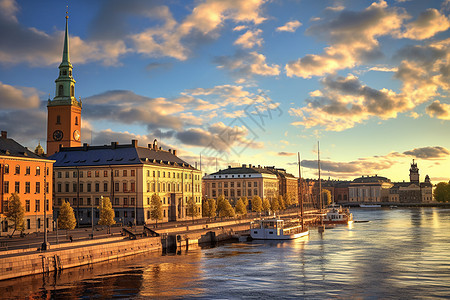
9	147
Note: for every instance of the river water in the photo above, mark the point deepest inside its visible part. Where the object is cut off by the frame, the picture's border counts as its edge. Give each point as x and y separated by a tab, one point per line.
398	254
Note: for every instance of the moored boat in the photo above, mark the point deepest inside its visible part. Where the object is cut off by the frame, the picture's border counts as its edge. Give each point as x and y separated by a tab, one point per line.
370	205
338	215
276	229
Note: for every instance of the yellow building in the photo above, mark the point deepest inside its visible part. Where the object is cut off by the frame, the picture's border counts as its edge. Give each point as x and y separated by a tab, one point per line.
129	175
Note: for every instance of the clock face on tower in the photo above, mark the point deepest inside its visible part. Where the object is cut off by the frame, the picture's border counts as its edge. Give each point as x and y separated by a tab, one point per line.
57	135
76	135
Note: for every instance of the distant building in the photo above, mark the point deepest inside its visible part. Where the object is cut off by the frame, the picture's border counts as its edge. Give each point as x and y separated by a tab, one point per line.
369	189
413	191
248	181
129	175
287	183
30	176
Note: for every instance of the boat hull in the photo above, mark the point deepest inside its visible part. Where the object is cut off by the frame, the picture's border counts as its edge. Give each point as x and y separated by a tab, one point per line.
261	236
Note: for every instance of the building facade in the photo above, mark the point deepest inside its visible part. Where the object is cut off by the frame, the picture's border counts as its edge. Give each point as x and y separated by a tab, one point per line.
129	175
64	111
30	176
287	183
369	189
245	181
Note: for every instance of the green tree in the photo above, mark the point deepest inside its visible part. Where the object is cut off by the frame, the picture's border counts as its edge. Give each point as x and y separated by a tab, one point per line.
156	208
240	208
266	205
442	192
226	209
274	205
257	204
326	197
212	208
66	218
281	203
192	209
15	213
106	213
205	208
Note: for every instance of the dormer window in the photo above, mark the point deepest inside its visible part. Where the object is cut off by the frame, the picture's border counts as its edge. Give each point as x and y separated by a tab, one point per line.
60	90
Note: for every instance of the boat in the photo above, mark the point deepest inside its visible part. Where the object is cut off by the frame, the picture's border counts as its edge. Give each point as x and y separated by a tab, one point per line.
370	205
337	215
276	229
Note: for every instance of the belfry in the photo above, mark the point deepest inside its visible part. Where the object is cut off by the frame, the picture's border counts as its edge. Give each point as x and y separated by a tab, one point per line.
64	111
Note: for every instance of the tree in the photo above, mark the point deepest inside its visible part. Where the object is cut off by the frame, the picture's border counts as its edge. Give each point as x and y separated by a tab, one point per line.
221	205
281	203
245	201
15	213
266	205
192	209
274	205
442	192
106	213
288	200
226	210
66	218
205	208
240	208
326	197
212	207
156	208
256	204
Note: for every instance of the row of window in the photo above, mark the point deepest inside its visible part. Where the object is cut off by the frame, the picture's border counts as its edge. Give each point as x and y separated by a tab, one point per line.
125	189
233	194
37	205
238	184
163	187
168	174
37	187
27	170
124	173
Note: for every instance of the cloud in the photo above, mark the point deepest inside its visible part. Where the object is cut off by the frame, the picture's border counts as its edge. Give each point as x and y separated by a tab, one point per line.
29	131
239	28
353	40
383	69
335	8
350	169
247	64
290	26
438	110
18	97
428	152
345	101
250	39
156	66
286	154
428	24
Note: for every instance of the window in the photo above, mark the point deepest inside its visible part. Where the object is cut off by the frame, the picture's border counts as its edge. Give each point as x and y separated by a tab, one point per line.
148	187
116	173
81	201
67	187
132	201
89	173
249	184
148	173
116	201
159	173
105	173
153	173
164	174
105	186
124	186
67	174
225	185
38	205
74	174
59	175
27	187
125	201
17	187
81	187
89	185
116	186
124	173
58	120
255	184
17	169
132	187
27	205
97	187
59	187
133	172
60	93
213	185
81	174
148	200
97	201
6	187
88	201
255	192
27	170
6	169
74	187
75	202
97	173
72	93
76	118
38	187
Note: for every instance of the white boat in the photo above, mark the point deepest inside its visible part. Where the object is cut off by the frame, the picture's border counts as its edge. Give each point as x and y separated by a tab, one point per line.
369	205
338	215
276	229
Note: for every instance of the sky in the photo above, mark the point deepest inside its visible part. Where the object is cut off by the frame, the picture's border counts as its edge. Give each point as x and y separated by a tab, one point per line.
242	82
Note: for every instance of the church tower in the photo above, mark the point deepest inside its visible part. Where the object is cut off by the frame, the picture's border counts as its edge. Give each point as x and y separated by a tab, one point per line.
414	173
64	111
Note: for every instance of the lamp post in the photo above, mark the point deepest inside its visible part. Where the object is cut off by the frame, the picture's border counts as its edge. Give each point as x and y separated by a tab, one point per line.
45	244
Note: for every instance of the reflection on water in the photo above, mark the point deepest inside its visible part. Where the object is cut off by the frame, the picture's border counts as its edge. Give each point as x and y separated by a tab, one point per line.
401	253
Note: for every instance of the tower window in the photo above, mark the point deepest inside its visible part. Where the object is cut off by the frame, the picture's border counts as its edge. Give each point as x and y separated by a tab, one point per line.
72	90
58	119
60	90
76	120
70	72
64	72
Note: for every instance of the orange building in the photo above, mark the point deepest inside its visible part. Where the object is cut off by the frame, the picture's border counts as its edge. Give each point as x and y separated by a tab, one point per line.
30	176
64	111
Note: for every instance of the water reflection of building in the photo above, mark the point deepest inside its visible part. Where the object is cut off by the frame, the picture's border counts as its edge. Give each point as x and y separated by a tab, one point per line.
413	191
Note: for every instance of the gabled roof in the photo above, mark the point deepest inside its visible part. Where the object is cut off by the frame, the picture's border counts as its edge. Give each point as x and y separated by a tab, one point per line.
9	147
129	154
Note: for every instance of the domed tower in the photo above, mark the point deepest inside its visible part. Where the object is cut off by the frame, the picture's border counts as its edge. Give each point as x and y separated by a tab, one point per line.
64	111
414	173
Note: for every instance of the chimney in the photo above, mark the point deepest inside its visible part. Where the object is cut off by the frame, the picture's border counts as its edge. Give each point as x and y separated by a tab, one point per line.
134	143
229	167
174	152
244	165
4	134
85	146
170	150
250	165
113	145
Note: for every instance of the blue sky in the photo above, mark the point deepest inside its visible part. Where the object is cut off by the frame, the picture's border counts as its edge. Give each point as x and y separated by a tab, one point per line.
252	81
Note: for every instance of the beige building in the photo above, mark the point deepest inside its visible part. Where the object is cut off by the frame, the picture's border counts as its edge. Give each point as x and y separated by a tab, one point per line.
369	189
247	181
129	175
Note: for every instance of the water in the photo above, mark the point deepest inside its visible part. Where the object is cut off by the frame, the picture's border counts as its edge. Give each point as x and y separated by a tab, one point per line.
399	254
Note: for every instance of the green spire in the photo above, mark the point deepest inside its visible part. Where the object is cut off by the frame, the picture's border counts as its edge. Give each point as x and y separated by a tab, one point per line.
66	58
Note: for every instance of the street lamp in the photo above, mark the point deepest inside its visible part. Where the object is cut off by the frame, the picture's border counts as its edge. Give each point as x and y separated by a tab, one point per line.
45	244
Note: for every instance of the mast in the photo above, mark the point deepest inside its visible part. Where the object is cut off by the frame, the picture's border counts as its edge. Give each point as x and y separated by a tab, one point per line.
301	188
320	182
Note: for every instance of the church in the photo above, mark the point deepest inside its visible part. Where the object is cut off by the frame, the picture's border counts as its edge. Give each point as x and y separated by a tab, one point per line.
127	173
